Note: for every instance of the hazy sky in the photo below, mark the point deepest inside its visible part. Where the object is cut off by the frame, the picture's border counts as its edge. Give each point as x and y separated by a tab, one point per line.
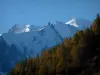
40	12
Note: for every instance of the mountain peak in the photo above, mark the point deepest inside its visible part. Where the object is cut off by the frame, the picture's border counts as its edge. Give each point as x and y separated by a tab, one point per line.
20	28
72	22
79	23
17	28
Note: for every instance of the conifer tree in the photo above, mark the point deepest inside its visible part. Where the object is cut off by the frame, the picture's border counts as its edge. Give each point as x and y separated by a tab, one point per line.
96	25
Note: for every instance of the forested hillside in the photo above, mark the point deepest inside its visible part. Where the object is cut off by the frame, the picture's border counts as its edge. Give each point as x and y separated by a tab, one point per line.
78	55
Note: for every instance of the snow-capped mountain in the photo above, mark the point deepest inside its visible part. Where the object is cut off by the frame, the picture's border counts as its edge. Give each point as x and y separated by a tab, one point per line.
23	28
22	41
80	23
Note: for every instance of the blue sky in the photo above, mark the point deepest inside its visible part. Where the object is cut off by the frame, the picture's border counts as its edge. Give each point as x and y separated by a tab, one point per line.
40	12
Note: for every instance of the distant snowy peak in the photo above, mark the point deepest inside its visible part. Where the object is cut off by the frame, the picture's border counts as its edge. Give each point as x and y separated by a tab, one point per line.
79	23
72	22
20	28
23	28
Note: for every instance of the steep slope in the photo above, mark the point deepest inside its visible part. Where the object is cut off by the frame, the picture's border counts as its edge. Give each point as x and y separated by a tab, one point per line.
9	55
65	30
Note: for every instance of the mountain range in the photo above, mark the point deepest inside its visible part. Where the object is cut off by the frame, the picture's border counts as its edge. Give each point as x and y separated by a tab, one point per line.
22	41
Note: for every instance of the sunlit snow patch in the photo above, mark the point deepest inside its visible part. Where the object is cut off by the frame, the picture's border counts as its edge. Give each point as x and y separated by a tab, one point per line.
72	22
0	34
27	28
